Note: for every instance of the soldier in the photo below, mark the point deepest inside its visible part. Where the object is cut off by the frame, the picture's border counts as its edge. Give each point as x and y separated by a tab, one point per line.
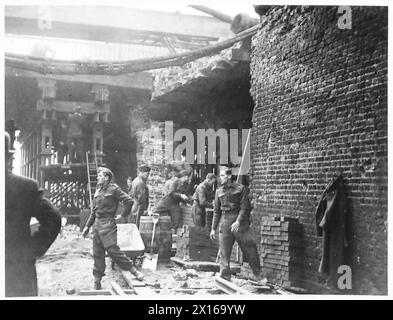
173	182
139	192
169	203
24	200
232	211
129	183
106	200
203	198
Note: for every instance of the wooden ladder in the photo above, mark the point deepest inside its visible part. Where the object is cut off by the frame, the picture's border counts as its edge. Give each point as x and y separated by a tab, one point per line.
92	173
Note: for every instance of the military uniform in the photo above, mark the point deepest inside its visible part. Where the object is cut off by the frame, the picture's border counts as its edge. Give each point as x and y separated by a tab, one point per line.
203	198
106	200
171	185
169	205
232	204
24	200
139	192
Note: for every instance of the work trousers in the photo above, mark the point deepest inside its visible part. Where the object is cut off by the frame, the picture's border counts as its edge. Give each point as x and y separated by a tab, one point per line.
175	213
198	215
135	215
114	253
246	243
20	278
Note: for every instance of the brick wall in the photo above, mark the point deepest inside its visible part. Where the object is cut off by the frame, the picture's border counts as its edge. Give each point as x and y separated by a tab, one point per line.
320	96
150	150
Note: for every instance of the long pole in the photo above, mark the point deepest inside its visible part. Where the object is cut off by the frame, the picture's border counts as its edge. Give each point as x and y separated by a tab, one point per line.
246	148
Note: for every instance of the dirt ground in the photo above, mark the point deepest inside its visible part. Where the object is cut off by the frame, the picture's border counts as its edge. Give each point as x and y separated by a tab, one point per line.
66	269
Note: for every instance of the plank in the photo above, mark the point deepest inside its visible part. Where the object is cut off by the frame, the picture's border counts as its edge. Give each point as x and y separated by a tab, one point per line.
127	277
204	265
92	23
96	293
229	287
138	80
144	291
189	291
284	292
137	283
68	106
117	289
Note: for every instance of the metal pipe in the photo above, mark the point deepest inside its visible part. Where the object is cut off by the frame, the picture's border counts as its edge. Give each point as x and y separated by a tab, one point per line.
214	13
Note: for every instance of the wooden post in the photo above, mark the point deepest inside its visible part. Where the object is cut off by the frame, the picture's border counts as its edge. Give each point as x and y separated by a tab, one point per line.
239	256
22	156
29	147
36	156
98	141
45	146
24	160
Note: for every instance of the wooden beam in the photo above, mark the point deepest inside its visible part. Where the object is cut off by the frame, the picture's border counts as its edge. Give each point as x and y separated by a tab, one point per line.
137	283
69	106
117	289
104	22
127	277
137	80
144	291
204	265
229	287
96	293
284	292
21	26
128	291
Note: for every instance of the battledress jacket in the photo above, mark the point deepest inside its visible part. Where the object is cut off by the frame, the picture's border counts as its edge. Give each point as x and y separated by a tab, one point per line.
24	200
139	192
203	198
105	203
232	204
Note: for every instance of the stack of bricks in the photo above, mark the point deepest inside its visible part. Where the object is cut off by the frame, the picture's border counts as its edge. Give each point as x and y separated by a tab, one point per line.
193	243
186	215
281	251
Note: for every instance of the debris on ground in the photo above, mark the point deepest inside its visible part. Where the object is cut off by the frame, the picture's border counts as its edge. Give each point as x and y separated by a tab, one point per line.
66	269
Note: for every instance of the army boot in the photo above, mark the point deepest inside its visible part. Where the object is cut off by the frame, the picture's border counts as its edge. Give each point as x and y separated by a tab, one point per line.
138	275
97	284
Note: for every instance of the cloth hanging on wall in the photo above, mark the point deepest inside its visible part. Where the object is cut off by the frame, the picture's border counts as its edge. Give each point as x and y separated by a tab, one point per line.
331	222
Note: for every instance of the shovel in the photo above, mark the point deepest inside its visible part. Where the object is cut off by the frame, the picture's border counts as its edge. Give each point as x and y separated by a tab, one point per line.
150	260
